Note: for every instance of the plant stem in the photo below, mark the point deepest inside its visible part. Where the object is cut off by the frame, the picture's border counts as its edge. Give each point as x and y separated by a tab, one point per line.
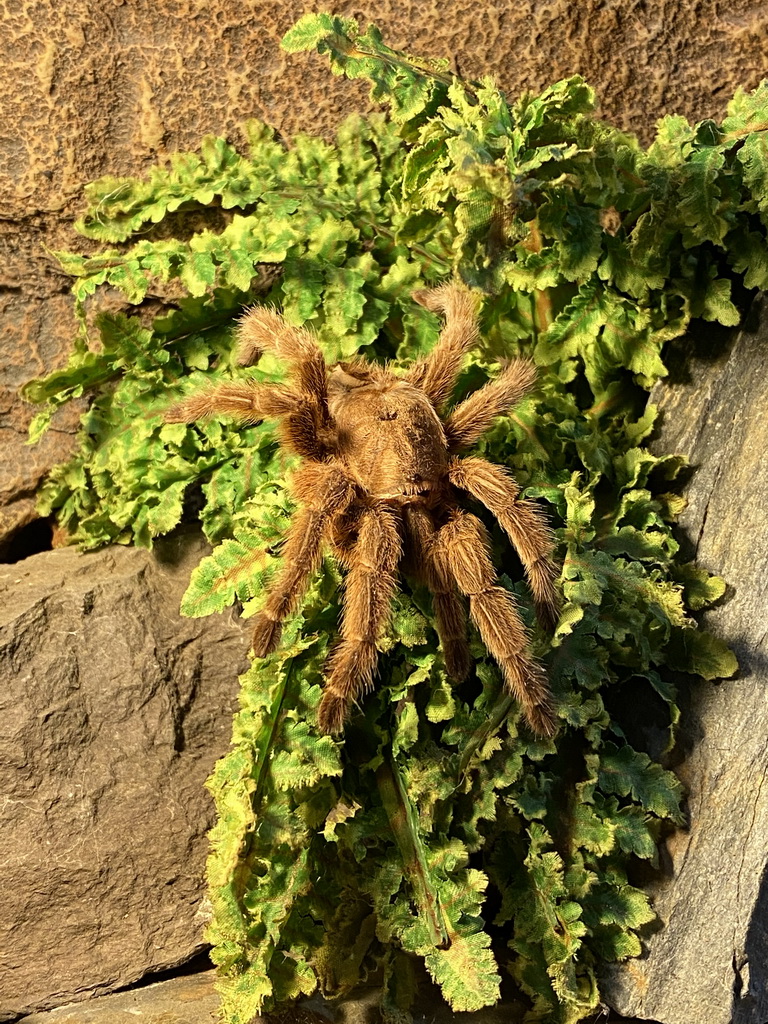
404	825
543	315
494	721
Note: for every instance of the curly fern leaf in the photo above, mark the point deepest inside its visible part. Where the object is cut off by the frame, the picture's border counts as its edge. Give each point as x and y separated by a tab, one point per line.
466	972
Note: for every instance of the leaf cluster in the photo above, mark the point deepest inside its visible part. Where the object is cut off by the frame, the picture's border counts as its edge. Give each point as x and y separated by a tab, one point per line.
438	828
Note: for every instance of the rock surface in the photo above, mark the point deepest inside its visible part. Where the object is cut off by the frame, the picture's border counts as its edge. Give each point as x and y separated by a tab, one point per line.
191	999
708	962
91	89
186	1000
113	711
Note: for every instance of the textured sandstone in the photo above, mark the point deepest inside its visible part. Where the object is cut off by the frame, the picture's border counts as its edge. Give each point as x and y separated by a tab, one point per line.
185	1000
90	89
113	711
708	961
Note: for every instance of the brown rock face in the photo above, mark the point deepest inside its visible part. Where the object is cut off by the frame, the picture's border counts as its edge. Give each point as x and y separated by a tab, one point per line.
708	961
90	89
113	711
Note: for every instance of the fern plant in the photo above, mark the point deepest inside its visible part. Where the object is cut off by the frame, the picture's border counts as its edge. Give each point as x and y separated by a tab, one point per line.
436	830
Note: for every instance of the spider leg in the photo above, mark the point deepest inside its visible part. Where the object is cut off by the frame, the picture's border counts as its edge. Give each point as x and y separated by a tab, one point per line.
523	523
244	400
302	432
369	588
450	614
436	375
308	431
322	491
249	402
462	545
262	329
472	417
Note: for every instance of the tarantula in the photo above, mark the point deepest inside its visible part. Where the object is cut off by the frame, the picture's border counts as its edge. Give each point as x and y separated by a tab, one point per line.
381	485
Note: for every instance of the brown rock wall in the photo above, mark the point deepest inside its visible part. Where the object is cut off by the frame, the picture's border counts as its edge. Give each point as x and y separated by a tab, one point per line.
114	710
93	89
90	89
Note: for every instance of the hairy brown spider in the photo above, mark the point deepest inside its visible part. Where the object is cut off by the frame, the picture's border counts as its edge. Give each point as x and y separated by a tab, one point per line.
381	485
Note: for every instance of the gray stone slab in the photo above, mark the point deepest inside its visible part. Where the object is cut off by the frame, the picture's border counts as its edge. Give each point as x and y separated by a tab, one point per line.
709	960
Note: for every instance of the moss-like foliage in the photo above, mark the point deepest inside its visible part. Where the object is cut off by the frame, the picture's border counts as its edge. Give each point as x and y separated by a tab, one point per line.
438	828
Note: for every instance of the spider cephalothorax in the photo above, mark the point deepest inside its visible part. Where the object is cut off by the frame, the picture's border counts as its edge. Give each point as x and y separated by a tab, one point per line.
381	485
